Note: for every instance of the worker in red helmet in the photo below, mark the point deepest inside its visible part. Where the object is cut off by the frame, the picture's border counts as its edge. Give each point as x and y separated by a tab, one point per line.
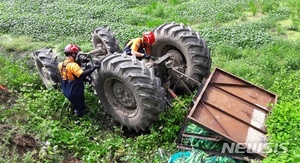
140	47
72	79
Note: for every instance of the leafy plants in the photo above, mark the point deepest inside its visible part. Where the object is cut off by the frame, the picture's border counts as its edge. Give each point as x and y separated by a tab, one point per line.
253	7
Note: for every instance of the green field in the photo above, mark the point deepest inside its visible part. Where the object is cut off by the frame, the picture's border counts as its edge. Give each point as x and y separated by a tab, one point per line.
257	40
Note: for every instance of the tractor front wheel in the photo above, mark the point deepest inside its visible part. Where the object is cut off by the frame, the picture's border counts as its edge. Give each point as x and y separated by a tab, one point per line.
46	63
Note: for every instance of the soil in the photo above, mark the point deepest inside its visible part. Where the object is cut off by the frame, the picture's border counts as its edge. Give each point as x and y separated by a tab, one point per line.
71	160
23	143
15	142
20	143
7	98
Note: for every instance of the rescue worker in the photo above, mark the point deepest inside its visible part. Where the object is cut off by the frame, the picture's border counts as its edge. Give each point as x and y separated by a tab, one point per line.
140	47
72	79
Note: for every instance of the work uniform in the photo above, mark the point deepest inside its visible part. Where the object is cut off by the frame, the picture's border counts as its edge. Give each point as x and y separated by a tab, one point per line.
136	45
72	85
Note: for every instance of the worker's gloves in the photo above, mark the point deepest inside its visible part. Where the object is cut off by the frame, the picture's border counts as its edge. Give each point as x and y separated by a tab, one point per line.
82	58
96	65
147	56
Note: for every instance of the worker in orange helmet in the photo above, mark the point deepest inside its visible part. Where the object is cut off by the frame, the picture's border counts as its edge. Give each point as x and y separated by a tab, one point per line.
72	77
140	47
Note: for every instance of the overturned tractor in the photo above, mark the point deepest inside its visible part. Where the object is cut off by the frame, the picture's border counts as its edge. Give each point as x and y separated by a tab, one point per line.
130	90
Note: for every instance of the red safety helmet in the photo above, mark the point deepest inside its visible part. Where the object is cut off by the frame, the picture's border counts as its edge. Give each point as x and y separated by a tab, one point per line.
72	48
148	37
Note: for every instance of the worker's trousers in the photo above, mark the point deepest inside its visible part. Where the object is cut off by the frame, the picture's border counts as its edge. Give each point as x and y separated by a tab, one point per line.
74	92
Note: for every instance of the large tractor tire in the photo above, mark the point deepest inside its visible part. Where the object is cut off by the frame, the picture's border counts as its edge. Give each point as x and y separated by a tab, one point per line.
46	63
188	51
104	41
129	91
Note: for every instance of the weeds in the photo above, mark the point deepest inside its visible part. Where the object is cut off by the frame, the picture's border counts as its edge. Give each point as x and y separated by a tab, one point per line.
253	7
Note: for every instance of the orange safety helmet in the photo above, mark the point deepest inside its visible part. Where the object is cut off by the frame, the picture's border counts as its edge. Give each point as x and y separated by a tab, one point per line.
72	48
148	37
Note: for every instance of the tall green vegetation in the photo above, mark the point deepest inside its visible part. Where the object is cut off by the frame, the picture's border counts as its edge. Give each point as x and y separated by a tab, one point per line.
255	48
253	7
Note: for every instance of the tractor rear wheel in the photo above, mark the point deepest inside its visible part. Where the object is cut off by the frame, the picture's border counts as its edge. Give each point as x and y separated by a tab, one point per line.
104	41
188	51
46	63
129	92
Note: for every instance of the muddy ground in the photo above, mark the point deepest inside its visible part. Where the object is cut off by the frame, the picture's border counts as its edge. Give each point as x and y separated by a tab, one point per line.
9	136
12	139
6	96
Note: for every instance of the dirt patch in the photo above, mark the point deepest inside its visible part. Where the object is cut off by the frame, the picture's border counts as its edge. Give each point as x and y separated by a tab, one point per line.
15	142
25	140
19	144
71	160
4	129
23	143
7	98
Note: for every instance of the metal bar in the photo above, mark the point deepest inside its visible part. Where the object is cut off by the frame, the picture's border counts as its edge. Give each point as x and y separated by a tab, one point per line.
226	84
198	136
95	51
180	79
198	99
185	86
171	92
189	78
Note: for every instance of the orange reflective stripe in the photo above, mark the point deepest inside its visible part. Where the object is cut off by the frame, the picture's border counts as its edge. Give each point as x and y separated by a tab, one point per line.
64	71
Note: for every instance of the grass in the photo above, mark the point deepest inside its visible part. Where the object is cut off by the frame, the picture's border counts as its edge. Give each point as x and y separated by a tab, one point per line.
250	39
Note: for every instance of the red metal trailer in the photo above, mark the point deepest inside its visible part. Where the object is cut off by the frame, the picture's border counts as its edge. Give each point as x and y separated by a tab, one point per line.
235	111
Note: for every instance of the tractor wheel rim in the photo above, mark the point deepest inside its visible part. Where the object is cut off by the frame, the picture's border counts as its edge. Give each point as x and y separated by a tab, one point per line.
120	96
99	44
124	95
178	60
46	73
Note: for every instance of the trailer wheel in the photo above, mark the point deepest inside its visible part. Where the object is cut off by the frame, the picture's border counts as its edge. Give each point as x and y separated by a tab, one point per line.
188	51
129	92
46	63
104	41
